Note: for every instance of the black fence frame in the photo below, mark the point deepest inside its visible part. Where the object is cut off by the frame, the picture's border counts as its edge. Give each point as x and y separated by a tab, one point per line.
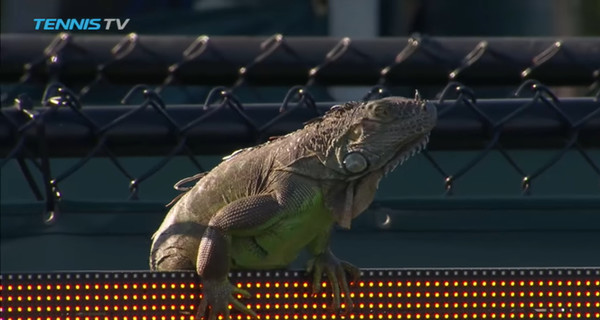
533	117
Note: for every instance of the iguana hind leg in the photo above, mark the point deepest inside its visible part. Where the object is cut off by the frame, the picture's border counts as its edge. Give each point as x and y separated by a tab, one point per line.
175	248
170	260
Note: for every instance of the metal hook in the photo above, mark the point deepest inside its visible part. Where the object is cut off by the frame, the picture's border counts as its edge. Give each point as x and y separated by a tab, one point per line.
526	185
24	104
411	47
460	89
196	48
215	92
51	89
275	39
58	43
144	89
155	98
335	53
134	189
125	46
449	184
536	87
472	57
376	91
542	58
292	93
267	47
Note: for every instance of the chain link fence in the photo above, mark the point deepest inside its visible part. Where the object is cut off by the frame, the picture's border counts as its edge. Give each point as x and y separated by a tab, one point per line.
207	96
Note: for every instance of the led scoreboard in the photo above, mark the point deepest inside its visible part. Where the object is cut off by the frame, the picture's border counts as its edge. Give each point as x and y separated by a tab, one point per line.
550	293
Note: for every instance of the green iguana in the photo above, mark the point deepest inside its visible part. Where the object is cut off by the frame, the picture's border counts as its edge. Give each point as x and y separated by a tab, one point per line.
263	205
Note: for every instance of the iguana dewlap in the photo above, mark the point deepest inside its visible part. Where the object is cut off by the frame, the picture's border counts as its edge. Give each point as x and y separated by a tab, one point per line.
262	206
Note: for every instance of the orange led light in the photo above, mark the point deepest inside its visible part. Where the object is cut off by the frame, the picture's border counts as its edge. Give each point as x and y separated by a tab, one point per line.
425	295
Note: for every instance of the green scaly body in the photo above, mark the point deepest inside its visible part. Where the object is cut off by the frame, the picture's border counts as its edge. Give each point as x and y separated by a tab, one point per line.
283	239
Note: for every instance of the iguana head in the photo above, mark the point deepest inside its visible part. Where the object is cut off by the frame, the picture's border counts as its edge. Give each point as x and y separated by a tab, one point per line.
361	137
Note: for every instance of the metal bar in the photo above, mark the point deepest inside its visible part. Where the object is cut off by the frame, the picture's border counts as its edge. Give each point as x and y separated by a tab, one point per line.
150	133
424	214
288	61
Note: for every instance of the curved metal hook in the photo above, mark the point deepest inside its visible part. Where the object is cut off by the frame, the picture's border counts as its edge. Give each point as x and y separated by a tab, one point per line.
51	89
58	43
542	58
23	103
196	48
267	47
221	92
144	89
134	189
458	87
294	91
413	44
155	98
472	57
376	91
125	46
536	87
335	53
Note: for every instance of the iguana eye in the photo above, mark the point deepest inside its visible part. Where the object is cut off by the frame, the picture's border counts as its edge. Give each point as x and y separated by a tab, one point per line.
355	162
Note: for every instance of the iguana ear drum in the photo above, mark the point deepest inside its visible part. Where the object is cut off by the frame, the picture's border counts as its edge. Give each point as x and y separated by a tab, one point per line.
355	162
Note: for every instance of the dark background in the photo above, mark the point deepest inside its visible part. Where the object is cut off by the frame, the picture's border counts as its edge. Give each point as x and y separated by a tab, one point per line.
322	17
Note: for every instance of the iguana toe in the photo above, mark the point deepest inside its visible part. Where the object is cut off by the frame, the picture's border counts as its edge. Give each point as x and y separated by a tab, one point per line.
217	295
335	269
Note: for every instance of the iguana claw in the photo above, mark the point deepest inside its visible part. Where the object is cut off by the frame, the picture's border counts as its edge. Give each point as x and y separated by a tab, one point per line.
218	294
335	269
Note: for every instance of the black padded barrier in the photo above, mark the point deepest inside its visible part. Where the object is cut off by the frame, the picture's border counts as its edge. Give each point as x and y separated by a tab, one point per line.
280	60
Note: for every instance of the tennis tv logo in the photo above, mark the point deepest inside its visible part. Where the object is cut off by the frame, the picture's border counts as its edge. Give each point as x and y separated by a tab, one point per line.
80	24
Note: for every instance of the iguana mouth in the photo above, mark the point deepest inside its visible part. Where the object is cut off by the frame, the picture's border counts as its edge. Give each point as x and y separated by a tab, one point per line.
410	149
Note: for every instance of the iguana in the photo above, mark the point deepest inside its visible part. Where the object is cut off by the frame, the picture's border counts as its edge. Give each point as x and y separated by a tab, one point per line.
261	206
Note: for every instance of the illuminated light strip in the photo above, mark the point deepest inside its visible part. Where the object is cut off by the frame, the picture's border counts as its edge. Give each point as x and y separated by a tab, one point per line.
285	295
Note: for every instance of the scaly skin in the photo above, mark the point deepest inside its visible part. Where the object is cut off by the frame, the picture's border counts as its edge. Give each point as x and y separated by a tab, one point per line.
263	205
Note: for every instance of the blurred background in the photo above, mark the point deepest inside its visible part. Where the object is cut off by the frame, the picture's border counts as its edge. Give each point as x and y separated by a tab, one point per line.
361	18
99	228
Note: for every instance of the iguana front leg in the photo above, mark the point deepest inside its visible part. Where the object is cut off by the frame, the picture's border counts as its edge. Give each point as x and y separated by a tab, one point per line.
249	216
325	262
213	262
213	267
